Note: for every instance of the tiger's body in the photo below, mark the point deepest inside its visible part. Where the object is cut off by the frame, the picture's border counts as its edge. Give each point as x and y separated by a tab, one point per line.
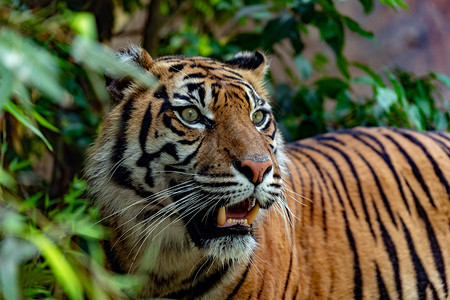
204	198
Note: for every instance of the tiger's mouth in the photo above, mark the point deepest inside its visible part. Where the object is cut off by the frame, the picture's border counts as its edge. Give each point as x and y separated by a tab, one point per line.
242	213
230	220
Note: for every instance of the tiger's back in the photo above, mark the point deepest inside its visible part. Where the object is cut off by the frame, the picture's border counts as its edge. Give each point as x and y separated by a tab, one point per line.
205	199
377	225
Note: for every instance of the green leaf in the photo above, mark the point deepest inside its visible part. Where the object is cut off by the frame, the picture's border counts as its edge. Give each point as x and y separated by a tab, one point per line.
331	86
84	24
395	3
30	64
364	80
441	120
16	165
98	58
61	268
342	64
256	10
303	65
25	120
6	83
414	116
296	41
385	97
276	30
354	26
398	88
442	78
6	179
12	253
378	79
331	31
43	122
367	5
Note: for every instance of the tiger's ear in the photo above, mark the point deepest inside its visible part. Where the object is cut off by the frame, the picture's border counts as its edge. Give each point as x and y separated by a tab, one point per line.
117	87
255	62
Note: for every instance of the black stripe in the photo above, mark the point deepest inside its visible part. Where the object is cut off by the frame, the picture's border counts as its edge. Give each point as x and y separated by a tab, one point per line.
247	99
436	138
357	134
321	190
239	284
432	239
188	142
329	138
189	158
234	78
338	170
195	75
275	128
216	184
382	291
201	94
112	257
145	126
169	148
161	93
121	174
237	86
380	189
392	252
288	275
349	162
182	97
260	290
322	176
436	168
421	276
121	142
295	292
228	70
357	275
291	181
176	68
414	168
168	123
444	135
199	289
219	175
215	93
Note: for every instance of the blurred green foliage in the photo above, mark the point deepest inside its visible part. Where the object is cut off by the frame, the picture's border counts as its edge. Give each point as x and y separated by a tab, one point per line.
52	97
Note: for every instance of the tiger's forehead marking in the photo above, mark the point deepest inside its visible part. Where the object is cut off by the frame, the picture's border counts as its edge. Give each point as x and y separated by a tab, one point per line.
209	85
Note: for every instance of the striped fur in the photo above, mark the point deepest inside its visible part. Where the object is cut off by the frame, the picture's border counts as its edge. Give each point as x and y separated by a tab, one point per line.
358	214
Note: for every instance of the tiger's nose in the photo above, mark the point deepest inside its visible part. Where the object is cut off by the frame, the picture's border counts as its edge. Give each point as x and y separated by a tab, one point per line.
255	170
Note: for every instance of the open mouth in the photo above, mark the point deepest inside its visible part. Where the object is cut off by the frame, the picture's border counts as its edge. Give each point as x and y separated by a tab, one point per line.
242	213
229	220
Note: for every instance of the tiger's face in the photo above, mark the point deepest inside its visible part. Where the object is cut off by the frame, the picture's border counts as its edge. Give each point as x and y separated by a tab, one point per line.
195	161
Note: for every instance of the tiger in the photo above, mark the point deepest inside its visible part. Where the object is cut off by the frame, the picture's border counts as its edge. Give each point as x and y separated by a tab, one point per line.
205	199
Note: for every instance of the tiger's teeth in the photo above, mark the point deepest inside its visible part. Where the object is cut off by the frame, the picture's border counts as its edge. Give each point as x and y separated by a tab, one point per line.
221	216
252	203
252	214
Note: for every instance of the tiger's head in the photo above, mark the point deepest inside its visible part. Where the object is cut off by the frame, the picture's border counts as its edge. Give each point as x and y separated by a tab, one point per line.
191	163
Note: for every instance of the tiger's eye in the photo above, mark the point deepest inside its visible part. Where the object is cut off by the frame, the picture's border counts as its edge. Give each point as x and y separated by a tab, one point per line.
190	114
258	117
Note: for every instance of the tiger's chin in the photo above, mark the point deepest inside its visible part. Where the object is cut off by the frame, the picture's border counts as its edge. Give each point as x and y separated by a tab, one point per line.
230	248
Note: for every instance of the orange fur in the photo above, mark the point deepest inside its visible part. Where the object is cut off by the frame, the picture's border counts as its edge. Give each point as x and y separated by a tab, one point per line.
362	213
